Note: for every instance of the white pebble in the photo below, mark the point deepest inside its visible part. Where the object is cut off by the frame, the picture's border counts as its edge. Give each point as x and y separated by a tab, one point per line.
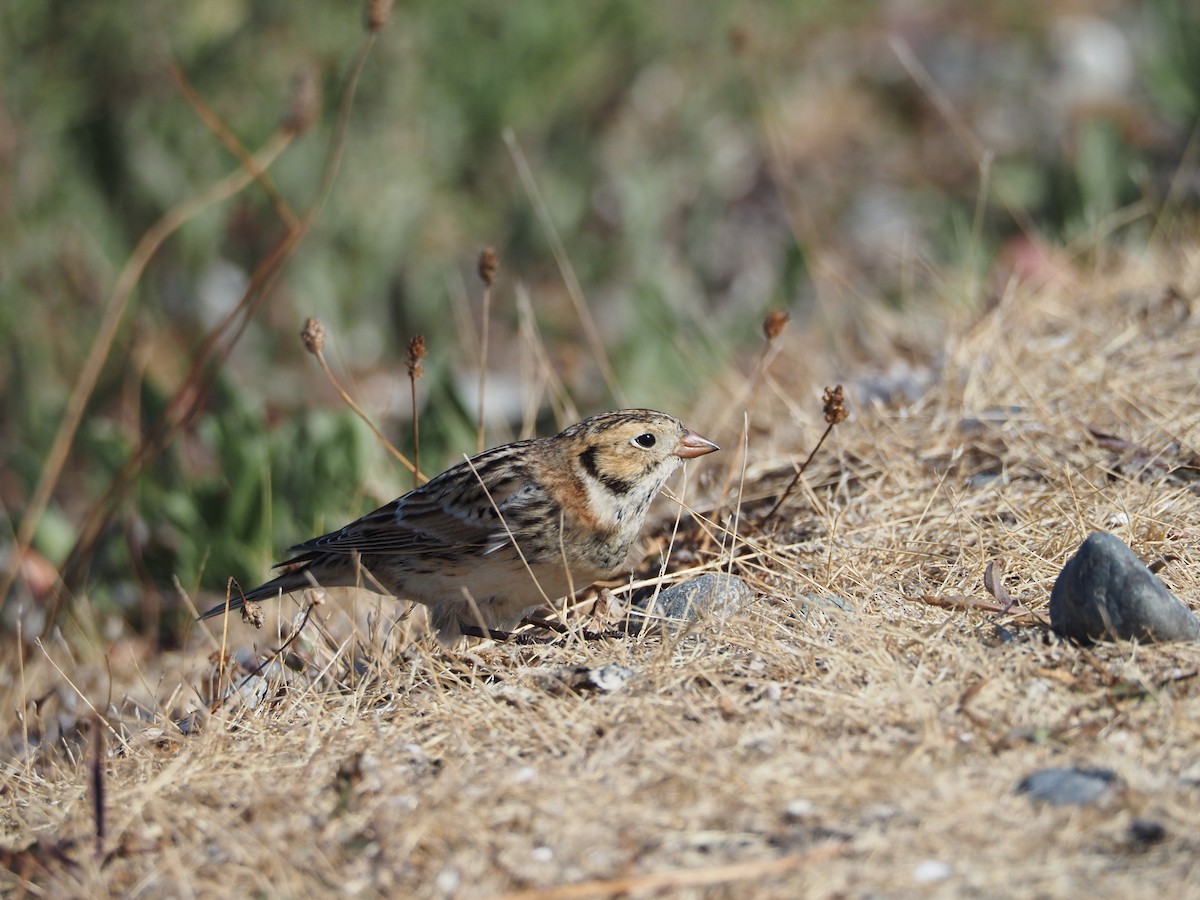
931	870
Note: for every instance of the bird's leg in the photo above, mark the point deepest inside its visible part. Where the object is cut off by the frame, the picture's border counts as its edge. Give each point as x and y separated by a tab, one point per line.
477	631
560	628
549	625
493	634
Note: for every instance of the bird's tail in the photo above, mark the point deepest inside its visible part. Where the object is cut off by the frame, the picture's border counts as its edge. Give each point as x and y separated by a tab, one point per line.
283	584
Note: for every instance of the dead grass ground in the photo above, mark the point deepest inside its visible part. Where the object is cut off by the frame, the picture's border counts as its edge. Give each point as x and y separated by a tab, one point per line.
794	749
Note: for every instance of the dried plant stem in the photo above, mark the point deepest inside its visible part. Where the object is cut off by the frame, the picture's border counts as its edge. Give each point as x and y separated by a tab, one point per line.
507	531
574	289
981	155
190	396
835	413
799	473
416	417
222	657
1169	209
826	267
416	368
539	362
486	318
773	327
181	409
82	696
24	690
249	164
483	352
666	881
737	510
362	414
106	334
96	779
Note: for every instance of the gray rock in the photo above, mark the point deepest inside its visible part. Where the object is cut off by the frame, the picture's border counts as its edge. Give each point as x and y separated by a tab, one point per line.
1069	787
1105	593
714	594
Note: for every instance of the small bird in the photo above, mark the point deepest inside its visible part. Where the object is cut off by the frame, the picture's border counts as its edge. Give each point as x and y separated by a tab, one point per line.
495	537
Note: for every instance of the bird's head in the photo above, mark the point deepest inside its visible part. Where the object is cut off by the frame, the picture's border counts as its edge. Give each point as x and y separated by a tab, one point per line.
626	457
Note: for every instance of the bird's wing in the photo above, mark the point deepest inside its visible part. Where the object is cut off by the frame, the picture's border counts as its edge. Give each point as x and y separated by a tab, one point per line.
452	514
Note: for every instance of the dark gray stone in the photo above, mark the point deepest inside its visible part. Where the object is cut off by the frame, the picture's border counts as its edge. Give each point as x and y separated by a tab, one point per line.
1105	593
711	594
1146	831
1069	787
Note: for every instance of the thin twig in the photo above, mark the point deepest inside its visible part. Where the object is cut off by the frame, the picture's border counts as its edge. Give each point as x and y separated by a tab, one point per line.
313	335
835	412
980	154
416	368
773	326
96	781
225	134
488	264
574	289
681	878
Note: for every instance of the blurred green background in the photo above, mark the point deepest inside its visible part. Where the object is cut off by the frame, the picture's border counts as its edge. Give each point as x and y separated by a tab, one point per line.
702	165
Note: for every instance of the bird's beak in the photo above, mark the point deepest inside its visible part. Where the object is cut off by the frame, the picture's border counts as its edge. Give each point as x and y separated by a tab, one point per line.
693	445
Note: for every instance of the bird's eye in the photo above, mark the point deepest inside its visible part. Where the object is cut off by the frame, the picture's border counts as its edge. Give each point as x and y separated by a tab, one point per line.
645	441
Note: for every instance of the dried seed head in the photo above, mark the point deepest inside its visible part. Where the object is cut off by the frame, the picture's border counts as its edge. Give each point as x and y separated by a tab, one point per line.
739	39
416	353
378	13
774	324
313	335
835	410
489	264
252	613
304	106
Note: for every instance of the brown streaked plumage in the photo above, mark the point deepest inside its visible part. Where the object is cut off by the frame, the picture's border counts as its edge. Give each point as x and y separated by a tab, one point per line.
496	536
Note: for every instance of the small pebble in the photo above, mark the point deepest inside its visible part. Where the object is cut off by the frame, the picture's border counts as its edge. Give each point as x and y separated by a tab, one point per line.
715	594
1146	831
799	809
448	881
1069	787
928	870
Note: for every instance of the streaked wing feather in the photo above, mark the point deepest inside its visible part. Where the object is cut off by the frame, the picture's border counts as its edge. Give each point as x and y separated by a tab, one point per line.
452	513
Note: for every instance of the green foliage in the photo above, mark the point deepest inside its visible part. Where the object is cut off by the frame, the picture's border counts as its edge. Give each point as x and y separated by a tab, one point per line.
1173	70
261	490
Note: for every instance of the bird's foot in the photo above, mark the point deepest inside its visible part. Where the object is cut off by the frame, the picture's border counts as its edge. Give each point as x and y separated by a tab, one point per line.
525	637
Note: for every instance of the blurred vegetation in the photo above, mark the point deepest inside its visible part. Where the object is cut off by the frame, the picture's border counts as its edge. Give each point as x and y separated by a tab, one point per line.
697	167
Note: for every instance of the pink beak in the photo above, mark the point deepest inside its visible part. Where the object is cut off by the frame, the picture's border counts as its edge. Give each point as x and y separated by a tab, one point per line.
692	445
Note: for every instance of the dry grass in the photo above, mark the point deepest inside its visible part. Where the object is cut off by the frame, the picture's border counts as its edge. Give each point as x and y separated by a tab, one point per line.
792	749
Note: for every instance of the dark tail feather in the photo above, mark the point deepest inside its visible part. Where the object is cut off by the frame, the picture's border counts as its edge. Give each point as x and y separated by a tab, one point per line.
284	584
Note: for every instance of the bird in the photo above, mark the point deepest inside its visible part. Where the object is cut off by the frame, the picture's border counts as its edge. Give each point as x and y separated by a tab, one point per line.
505	532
